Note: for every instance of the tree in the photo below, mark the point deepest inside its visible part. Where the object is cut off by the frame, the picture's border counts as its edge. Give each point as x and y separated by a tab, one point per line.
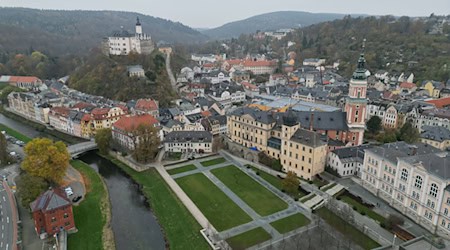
103	139
409	133
4	155
374	124
47	159
29	188
393	221
146	143
290	183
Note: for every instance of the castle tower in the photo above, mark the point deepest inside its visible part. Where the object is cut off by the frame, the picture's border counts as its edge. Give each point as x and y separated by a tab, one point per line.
138	27
356	103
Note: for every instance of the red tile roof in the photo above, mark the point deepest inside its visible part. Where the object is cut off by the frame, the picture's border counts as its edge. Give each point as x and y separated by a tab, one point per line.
250	63
408	85
86	117
99	113
208	65
28	79
234	62
129	123
440	103
146	105
62	111
82	105
206	113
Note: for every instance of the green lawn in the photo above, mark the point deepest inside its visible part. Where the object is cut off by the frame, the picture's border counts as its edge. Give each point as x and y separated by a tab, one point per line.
174	155
319	183
273	180
290	223
220	210
213	162
89	218
14	133
182	169
360	207
180	227
251	192
346	229
329	187
249	238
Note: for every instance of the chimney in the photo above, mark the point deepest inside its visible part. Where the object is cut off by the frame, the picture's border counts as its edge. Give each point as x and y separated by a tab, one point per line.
311	122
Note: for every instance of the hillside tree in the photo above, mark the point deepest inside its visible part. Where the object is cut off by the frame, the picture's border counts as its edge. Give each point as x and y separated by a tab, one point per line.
290	183
29	188
374	124
409	133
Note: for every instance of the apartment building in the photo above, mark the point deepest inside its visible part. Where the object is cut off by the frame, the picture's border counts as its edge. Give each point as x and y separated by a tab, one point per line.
438	137
414	179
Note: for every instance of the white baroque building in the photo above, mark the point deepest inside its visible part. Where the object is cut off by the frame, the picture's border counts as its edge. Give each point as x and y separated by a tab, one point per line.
122	42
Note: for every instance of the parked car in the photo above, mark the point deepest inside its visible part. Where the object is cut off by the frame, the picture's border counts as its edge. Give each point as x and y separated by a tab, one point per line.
76	198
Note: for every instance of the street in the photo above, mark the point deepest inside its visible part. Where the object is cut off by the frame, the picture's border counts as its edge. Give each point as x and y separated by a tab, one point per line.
6	218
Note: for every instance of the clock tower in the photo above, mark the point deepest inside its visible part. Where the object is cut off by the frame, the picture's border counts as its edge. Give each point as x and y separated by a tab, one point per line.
356	103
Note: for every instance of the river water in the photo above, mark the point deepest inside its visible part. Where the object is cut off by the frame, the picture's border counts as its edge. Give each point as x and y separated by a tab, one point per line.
133	223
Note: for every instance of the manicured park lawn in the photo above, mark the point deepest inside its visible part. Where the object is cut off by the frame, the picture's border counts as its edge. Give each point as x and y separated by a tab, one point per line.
273	180
329	187
360	207
249	238
89	218
290	223
220	210
213	162
180	227
319	183
14	133
251	192
182	169
346	229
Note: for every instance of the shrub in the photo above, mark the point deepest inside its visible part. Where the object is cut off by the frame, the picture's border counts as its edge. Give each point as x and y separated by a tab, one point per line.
355	208
362	212
124	154
282	190
310	182
257	173
296	199
383	225
338	198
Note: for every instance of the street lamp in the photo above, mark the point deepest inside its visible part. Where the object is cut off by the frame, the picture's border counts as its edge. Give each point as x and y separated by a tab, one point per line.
393	240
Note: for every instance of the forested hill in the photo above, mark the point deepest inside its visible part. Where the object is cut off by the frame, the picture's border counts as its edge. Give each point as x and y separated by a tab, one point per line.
58	32
270	22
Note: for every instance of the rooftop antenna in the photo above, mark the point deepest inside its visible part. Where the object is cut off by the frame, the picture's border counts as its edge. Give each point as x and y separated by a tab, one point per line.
363	46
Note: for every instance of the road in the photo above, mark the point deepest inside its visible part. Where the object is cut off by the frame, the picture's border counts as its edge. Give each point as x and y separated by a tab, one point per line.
7	214
173	82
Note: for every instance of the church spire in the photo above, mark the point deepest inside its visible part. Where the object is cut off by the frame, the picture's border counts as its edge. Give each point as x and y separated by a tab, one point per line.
137	21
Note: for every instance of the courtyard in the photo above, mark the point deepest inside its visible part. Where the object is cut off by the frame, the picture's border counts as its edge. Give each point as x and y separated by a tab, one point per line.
245	208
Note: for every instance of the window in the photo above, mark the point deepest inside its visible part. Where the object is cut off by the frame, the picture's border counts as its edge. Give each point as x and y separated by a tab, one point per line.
433	190
418	183
404	175
446	211
53	219
443	223
66	215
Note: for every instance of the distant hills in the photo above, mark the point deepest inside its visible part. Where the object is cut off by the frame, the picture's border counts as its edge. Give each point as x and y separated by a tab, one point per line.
269	21
58	31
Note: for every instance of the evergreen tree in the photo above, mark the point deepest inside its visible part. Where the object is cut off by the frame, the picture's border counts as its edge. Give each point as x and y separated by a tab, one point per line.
409	133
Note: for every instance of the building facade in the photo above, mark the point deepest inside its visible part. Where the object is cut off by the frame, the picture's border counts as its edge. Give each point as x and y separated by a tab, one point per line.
123	43
188	141
123	131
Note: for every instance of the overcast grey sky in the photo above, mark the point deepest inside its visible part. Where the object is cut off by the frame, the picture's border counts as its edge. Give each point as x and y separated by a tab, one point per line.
212	13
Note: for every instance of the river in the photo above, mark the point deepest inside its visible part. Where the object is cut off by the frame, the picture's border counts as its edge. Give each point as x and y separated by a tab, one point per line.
133	223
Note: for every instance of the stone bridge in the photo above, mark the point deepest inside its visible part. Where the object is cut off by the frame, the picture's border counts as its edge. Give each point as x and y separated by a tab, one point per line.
80	148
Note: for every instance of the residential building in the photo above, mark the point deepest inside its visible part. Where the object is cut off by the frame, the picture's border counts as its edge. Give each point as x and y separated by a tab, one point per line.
433	87
413	178
147	106
123	131
23	82
23	103
217	125
433	117
188	141
227	93
105	117
250	89
58	118
315	62
52	212
436	136
260	67
347	161
123	43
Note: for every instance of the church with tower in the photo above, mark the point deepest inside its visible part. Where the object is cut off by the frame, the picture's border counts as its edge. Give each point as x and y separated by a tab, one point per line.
122	42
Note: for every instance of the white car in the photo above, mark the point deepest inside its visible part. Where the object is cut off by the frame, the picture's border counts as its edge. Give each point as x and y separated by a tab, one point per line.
69	191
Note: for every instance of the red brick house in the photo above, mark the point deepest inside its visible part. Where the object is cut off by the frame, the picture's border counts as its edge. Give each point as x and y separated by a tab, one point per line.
52	211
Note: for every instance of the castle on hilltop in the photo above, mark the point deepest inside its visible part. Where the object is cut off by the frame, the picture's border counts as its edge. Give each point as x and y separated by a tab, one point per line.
122	42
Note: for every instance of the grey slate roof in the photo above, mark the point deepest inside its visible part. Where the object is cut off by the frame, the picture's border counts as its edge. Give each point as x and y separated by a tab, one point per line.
393	151
49	200
257	114
308	138
352	153
436	164
322	120
435	133
188	136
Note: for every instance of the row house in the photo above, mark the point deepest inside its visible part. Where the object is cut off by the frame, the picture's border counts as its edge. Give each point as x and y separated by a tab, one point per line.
438	137
23	82
105	117
260	67
217	125
58	118
23	103
188	141
414	179
123	131
432	117
147	106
